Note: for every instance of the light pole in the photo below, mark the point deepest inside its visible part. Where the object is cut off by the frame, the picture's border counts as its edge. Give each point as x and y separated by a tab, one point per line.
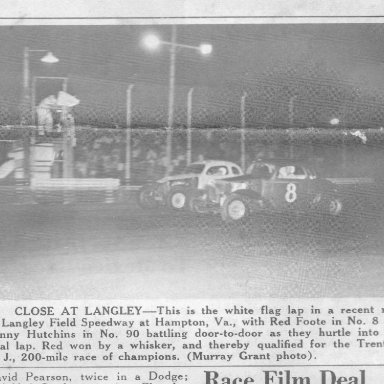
189	126
152	42
291	117
128	136
242	138
335	122
291	109
48	58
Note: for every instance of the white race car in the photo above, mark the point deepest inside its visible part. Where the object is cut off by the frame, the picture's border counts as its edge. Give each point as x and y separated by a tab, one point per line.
174	190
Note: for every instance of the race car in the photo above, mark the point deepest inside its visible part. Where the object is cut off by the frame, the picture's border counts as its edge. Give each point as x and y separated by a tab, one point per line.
270	186
174	190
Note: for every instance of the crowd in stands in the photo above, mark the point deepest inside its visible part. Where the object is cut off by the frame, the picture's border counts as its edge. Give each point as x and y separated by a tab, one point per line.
100	154
104	156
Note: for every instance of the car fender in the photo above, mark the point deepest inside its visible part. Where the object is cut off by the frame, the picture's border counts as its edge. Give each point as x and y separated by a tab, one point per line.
161	189
150	185
325	187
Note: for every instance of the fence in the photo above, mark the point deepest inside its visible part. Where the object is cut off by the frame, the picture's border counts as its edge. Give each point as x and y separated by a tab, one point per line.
101	153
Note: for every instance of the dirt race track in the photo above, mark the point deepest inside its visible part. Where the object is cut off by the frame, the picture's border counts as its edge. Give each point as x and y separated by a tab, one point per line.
96	250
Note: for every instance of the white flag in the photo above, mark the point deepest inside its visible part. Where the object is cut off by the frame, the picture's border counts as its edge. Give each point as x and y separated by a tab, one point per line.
64	99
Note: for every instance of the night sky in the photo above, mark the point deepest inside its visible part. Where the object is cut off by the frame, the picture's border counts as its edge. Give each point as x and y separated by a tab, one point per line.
330	70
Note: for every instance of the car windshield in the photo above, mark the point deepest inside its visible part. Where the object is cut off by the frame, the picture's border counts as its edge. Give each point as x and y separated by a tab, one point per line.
291	172
194	168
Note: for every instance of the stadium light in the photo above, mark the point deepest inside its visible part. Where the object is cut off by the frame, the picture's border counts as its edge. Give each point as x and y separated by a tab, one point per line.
152	42
49	58
205	49
26	109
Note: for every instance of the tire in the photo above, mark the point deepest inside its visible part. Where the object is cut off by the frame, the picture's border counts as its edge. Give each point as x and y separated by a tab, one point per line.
333	206
177	198
235	208
146	198
194	203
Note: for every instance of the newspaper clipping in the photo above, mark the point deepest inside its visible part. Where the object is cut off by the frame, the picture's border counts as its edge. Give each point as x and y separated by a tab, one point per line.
192	193
211	342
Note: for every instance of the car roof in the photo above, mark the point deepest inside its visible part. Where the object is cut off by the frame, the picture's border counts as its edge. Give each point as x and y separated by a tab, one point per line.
214	162
281	162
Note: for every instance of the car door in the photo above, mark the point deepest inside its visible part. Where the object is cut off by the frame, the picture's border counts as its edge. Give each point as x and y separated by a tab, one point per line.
214	172
290	187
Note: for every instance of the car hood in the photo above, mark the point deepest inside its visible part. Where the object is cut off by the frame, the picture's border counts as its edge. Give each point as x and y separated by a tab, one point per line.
178	177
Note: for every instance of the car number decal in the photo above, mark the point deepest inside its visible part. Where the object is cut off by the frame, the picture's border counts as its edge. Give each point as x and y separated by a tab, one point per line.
291	194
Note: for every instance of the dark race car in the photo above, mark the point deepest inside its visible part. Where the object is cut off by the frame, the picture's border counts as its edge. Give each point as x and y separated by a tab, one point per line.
272	186
173	191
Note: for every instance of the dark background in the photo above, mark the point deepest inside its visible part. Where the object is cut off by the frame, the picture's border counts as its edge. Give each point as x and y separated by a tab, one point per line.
332	71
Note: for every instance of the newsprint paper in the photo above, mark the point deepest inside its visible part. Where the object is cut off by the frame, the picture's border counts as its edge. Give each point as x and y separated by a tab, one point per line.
191	192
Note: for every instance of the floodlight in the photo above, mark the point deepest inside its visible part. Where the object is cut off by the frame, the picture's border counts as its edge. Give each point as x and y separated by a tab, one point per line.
49	58
151	42
205	49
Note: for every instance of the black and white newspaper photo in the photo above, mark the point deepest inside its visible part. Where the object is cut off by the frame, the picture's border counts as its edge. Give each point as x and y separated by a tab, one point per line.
192	192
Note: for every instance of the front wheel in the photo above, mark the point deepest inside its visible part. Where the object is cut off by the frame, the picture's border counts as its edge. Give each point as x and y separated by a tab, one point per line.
177	198
235	208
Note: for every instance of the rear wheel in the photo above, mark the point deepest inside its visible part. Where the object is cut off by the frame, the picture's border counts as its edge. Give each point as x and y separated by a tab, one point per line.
196	203
147	197
333	206
235	208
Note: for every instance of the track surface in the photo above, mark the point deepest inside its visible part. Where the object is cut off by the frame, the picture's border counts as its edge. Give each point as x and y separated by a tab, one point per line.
97	250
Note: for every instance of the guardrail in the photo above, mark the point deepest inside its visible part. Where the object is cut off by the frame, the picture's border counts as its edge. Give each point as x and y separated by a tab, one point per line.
73	183
69	185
